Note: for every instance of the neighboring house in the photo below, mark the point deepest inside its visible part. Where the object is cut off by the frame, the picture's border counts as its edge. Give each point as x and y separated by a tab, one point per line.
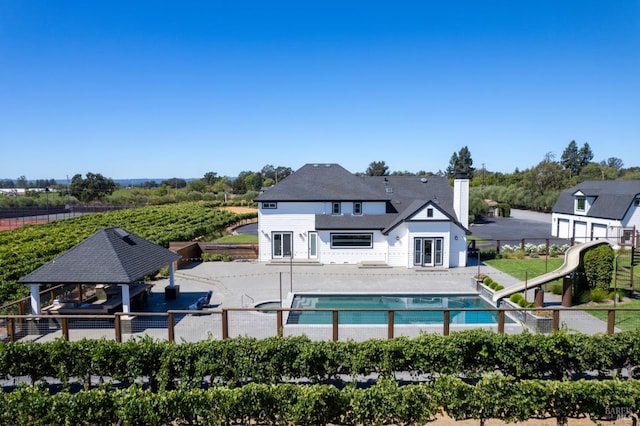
324	213
608	209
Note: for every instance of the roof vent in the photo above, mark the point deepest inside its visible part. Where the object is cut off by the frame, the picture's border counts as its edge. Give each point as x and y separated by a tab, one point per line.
389	190
121	232
423	180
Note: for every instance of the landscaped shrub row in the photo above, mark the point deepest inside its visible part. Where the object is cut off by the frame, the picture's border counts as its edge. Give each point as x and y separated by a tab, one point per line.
386	402
273	360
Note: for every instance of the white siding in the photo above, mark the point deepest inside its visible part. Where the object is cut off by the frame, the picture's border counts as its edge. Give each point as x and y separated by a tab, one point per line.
632	217
377	253
422	214
395	249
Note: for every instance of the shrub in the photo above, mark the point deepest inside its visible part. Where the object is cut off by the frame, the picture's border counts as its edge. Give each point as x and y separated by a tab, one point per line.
499	287
488	254
487	281
216	257
620	292
555	288
598	266
598	295
516	298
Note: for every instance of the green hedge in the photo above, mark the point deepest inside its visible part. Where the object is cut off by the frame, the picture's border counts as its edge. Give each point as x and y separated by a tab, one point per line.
386	402
237	361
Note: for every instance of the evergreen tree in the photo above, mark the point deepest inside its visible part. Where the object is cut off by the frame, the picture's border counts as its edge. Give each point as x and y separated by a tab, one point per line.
461	162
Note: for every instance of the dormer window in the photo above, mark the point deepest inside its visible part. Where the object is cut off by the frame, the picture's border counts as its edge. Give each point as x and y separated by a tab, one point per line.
580	204
357	207
335	208
430	212
636	202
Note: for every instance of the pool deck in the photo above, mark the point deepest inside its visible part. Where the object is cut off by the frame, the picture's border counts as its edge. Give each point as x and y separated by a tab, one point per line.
243	284
240	284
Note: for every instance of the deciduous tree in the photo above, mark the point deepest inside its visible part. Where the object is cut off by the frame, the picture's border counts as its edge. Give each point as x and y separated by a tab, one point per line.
377	168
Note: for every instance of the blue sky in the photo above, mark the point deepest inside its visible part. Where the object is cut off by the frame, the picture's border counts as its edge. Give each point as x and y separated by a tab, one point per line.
159	89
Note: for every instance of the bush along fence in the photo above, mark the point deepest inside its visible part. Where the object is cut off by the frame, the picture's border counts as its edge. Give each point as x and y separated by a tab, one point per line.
468	375
385	402
237	361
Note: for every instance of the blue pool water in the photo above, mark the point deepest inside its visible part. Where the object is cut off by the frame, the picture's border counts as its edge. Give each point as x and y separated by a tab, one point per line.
432	303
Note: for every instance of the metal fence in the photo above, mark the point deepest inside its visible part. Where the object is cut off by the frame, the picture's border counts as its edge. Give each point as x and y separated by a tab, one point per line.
191	326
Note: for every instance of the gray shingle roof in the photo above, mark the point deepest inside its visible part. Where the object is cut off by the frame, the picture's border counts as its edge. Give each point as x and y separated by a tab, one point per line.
368	221
331	182
613	198
109	256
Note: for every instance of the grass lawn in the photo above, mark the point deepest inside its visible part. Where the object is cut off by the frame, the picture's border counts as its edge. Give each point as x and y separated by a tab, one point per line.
625	320
526	268
240	238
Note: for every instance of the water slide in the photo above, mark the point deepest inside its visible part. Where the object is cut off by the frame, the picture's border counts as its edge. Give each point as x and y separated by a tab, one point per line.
571	262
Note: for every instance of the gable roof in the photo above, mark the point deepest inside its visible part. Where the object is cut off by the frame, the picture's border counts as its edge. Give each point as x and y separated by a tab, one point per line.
319	182
612	198
109	256
404	195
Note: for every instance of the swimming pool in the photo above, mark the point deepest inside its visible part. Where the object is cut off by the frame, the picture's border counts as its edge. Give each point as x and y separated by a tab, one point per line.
409	308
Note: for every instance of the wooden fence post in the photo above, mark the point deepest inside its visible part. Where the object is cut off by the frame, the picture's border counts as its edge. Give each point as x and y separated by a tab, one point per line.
171	328
390	324
64	322
555	323
225	323
501	321
11	329
445	322
335	326
279	322
611	321
118	328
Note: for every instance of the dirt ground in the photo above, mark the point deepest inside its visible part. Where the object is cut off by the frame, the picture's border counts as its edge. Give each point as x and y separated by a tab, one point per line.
9	224
240	210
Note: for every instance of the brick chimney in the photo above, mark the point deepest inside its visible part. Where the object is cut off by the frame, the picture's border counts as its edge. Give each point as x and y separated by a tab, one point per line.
461	198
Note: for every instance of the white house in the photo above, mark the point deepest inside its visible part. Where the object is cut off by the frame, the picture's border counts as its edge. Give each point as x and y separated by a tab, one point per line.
599	210
326	214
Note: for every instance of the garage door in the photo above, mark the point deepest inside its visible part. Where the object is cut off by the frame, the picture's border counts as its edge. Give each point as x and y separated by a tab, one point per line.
598	230
563	228
580	232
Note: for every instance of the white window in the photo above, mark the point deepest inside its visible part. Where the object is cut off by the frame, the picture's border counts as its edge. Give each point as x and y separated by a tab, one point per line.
351	240
269	205
580	204
357	207
429	212
335	208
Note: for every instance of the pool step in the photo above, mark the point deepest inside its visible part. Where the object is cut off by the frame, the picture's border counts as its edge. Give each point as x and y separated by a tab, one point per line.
373	264
297	262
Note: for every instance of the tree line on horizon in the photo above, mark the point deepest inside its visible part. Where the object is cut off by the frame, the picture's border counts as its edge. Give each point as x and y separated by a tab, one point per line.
535	188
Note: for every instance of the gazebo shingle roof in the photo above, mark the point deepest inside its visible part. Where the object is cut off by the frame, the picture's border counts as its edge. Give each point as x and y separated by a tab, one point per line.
109	256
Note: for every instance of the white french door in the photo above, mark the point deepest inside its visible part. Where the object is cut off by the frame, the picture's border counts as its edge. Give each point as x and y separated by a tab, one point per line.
282	244
427	251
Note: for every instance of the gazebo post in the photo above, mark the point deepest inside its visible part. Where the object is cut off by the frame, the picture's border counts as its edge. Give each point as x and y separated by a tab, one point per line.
172	279
35	299
171	291
126	299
